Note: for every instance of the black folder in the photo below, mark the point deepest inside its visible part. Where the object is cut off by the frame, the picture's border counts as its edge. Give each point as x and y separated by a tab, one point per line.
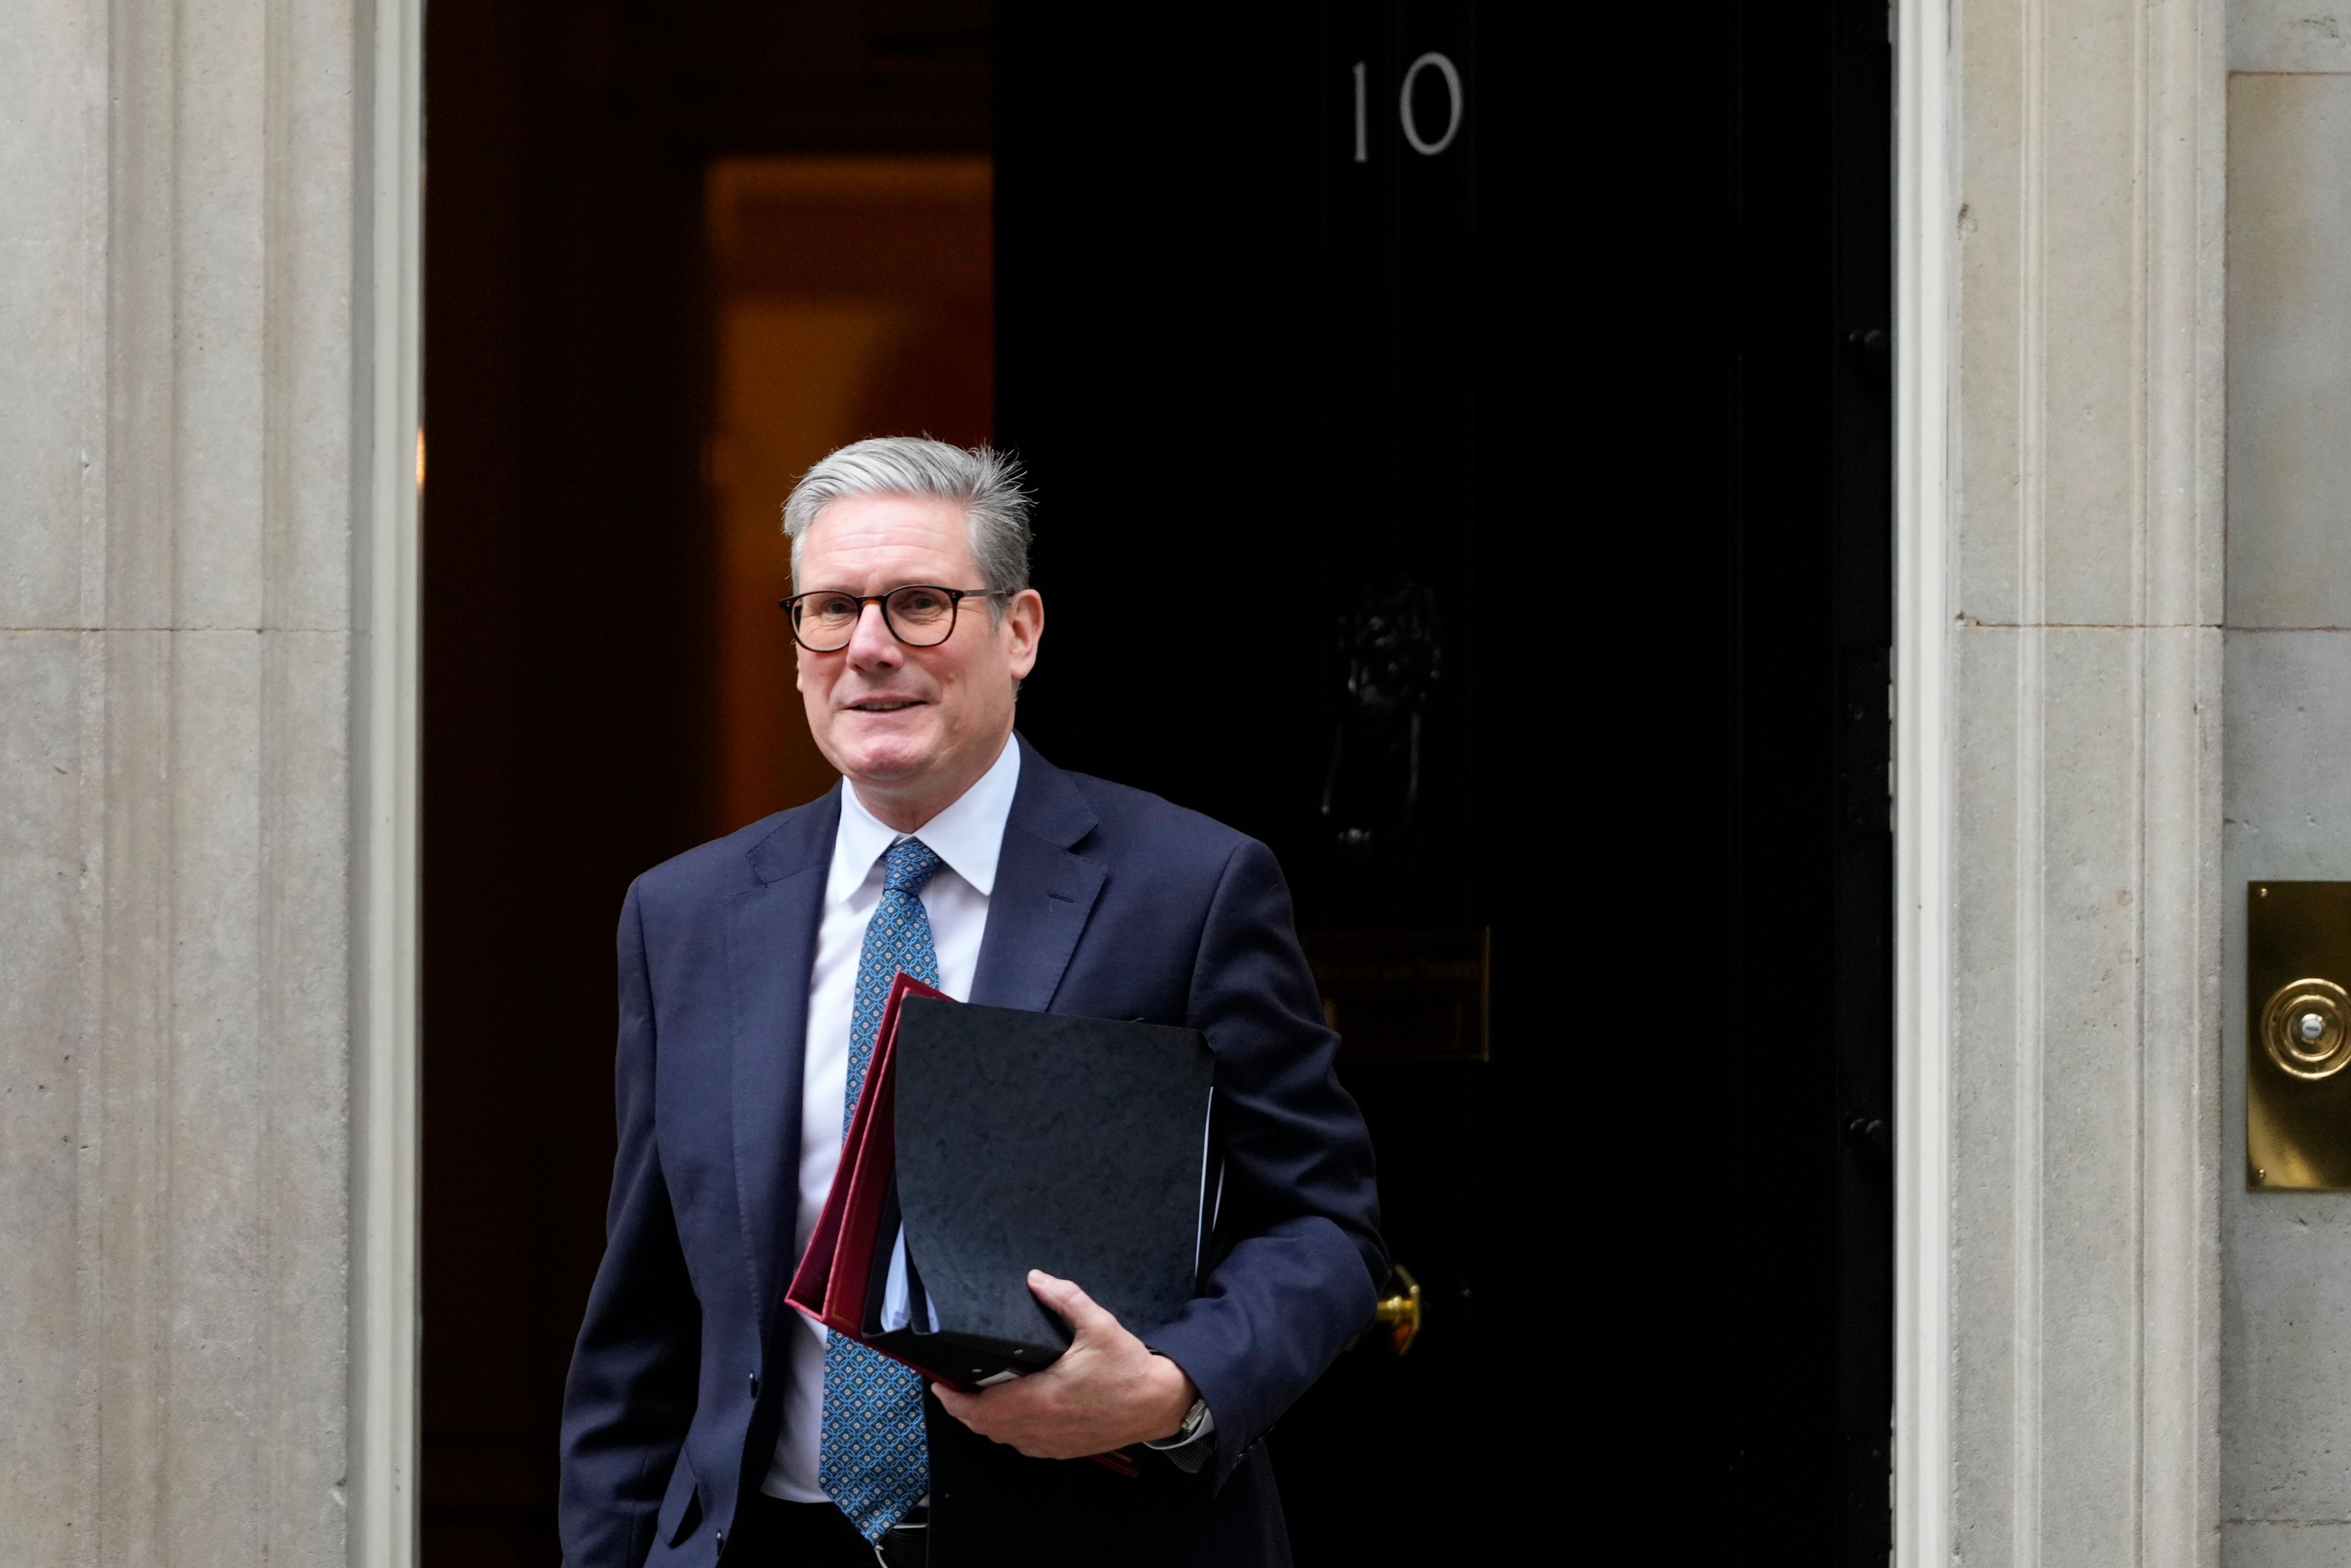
1081	1146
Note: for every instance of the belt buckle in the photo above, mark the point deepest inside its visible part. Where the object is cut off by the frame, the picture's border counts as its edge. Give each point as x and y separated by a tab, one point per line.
907	1532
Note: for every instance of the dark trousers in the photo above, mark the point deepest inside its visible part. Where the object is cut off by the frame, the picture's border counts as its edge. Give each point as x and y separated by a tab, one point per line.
814	1535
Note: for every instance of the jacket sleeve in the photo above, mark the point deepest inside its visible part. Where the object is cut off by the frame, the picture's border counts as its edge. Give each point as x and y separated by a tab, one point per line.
631	1393
1304	1264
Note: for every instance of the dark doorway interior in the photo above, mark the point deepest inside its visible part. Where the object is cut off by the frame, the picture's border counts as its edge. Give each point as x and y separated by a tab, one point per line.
1566	441
632	209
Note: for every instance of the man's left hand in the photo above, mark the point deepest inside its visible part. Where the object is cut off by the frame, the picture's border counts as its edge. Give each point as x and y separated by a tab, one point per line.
1105	1392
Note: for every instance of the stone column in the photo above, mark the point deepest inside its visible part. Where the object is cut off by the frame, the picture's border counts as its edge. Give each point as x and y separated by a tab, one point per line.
2070	998
208	217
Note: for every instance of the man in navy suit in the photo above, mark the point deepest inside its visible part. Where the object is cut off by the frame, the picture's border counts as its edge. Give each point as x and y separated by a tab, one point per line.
704	1421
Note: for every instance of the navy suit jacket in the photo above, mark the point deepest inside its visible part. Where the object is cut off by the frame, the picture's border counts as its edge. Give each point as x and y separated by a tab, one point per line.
1109	903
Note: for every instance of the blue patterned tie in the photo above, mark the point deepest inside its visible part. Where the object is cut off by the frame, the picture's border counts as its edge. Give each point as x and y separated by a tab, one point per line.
873	1461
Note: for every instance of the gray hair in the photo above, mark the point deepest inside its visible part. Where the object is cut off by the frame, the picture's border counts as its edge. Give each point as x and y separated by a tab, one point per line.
984	482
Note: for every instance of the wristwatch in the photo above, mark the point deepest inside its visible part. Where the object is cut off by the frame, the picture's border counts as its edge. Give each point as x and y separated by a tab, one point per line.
1191	1419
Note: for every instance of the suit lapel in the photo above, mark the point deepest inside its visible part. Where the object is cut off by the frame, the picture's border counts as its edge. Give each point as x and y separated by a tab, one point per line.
771	948
1044	893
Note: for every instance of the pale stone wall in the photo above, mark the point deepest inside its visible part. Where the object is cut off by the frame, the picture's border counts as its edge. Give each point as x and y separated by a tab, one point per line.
2117	1395
2286	1369
2084	662
187	432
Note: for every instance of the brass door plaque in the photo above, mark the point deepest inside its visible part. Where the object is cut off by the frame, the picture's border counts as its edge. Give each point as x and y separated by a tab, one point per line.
2297	1035
1404	993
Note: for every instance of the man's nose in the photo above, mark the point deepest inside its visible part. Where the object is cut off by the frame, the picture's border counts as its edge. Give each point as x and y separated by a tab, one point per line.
872	645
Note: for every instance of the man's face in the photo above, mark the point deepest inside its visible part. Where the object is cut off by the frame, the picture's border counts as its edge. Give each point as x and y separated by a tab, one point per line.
916	724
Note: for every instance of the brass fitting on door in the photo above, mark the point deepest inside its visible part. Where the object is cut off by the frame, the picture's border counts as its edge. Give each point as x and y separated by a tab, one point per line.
1399	1311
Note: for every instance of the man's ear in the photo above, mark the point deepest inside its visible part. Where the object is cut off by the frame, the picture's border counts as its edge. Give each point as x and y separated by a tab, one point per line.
1025	622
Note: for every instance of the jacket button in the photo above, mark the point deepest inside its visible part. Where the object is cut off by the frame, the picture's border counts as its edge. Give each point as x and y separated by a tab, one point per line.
755	1385
720	1542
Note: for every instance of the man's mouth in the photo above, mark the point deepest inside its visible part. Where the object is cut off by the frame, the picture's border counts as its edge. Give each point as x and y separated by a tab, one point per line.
883	705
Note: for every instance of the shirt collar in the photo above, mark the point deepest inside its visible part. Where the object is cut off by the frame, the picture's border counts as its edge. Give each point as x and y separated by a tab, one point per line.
968	835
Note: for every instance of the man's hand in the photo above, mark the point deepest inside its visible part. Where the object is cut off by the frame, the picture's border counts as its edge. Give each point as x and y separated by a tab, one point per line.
1105	1392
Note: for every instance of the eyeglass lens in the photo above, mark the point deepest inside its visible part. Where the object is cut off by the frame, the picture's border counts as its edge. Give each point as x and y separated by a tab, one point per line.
920	616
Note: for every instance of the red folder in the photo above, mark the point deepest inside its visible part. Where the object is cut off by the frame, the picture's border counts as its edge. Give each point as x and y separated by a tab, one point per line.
835	1273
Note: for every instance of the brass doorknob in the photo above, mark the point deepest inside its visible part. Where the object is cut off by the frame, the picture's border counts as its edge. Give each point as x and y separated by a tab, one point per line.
1399	1312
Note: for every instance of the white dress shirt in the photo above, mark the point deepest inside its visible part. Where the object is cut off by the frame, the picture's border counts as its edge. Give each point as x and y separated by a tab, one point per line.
967	836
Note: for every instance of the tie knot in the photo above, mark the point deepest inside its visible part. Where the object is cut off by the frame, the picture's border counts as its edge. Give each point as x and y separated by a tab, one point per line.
907	866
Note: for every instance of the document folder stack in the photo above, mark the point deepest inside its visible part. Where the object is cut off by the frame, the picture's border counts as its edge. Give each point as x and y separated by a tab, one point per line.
986	1142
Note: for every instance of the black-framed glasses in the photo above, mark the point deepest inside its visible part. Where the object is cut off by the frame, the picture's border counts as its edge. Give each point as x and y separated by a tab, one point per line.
920	615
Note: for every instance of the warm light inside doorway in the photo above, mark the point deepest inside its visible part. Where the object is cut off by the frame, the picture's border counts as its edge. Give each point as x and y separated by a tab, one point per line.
853	298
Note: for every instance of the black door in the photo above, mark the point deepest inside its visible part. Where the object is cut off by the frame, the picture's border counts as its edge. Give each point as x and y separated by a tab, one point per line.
1462	436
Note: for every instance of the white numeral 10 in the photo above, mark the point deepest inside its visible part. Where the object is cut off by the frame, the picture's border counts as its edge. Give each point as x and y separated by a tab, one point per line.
1423	144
